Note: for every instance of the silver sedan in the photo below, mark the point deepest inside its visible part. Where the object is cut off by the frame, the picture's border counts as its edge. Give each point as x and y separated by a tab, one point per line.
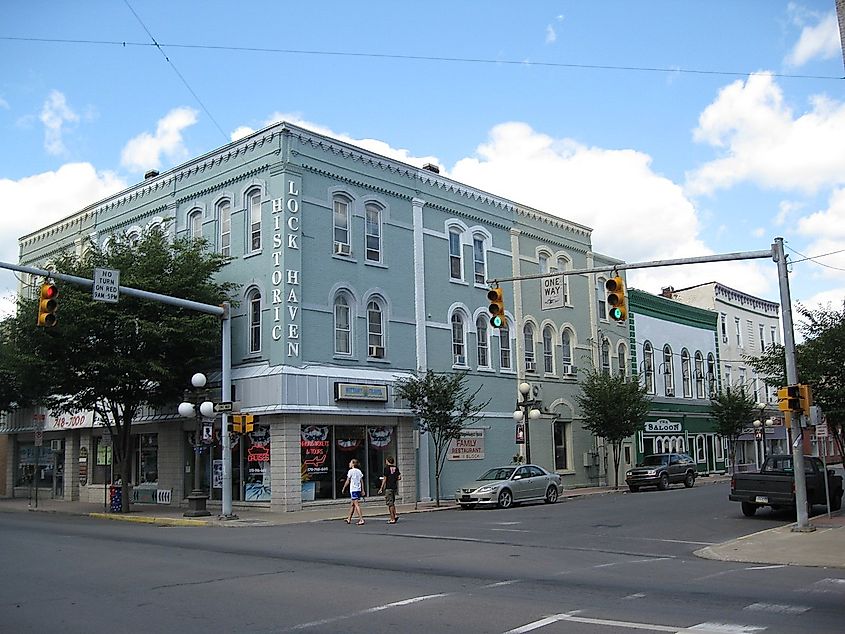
506	486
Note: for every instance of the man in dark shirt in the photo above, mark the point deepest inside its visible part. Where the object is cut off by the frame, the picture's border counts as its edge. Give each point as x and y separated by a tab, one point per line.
389	486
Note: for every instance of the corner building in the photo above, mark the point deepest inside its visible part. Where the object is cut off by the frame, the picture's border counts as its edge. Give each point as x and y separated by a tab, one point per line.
355	270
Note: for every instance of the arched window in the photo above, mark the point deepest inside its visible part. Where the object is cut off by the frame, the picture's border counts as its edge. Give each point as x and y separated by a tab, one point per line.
648	367
528	338
253	203
548	350
605	356
566	351
254	307
479	259
699	375
711	375
504	348
482	342
340	220
342	325
623	365
668	372
543	263
224	217
563	264
601	299
372	233
686	373
134	237
375	330
458	340
456	265
195	223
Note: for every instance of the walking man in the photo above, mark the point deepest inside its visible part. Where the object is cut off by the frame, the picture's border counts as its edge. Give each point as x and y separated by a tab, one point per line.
389	486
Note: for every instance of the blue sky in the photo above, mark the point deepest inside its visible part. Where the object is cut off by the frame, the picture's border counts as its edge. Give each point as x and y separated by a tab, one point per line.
557	111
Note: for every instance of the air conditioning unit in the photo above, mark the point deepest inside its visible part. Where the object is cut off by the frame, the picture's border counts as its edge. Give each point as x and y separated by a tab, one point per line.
376	352
569	370
670	392
341	248
460	360
530	366
57	445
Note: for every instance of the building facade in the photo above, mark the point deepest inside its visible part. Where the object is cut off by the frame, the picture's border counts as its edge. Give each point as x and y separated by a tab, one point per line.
676	356
355	271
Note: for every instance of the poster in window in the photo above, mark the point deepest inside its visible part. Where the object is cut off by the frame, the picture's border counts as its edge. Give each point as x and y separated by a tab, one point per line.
314	445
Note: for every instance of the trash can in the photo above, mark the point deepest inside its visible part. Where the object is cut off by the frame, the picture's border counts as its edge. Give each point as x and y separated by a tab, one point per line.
115	498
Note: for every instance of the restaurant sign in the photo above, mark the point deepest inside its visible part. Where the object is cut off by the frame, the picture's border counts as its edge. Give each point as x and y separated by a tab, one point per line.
663	426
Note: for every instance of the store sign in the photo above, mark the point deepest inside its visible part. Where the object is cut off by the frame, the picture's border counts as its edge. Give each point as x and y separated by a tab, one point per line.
663	426
315	447
470	446
360	392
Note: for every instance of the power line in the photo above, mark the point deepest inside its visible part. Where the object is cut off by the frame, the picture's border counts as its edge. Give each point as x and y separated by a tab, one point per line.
813	258
176	70
421	58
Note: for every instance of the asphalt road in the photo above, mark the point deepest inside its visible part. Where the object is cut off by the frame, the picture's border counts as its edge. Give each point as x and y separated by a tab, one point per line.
611	563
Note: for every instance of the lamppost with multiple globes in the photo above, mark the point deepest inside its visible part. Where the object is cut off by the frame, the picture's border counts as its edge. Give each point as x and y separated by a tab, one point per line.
196	405
760	429
527	411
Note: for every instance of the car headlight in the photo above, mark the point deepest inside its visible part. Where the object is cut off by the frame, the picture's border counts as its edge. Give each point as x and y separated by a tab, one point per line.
628	473
486	489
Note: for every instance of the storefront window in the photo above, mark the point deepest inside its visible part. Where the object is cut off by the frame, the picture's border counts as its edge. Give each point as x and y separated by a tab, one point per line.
102	473
326	451
34	466
256	450
146	459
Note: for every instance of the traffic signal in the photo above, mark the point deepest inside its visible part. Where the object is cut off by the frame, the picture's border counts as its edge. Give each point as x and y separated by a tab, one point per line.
47	305
615	287
805	398
237	423
248	423
243	423
497	308
789	399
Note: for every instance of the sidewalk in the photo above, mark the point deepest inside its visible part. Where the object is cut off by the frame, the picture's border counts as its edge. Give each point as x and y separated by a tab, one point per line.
823	547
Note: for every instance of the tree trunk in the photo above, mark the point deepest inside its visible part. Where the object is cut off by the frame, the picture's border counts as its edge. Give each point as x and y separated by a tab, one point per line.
617	456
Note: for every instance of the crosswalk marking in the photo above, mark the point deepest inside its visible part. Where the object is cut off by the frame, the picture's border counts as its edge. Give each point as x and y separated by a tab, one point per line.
701	628
776	608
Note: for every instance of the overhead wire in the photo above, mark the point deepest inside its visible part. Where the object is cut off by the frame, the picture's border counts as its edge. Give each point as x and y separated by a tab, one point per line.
813	258
423	58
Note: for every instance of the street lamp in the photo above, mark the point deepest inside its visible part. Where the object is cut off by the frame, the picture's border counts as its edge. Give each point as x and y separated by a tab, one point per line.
760	429
527	411
200	408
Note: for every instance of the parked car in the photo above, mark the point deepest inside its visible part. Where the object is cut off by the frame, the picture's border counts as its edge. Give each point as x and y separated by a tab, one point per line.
774	485
506	486
661	470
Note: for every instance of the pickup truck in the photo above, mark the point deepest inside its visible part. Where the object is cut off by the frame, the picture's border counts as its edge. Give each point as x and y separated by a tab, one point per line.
774	485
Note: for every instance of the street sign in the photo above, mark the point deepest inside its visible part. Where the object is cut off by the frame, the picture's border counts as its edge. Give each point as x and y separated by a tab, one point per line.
551	292
106	285
821	430
223	406
39	438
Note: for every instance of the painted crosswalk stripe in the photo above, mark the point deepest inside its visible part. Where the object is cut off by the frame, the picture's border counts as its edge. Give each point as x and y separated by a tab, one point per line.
701	628
776	608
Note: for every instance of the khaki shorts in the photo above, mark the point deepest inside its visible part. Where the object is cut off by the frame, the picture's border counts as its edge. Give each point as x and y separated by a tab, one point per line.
390	497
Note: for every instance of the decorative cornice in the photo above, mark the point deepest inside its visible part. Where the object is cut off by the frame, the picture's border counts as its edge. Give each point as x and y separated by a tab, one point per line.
644	303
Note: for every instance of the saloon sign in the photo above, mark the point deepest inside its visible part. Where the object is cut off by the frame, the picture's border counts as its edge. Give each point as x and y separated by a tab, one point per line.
663	426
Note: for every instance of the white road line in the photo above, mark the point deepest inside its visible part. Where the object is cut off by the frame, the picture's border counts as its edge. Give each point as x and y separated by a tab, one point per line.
501	583
536	625
378	608
777	608
723	628
632	561
678	541
766	567
701	628
510	530
636	595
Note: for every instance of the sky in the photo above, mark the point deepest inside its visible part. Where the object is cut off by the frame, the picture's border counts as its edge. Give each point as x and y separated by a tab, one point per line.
672	129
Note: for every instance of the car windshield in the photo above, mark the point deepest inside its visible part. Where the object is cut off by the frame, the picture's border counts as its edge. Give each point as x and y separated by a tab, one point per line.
502	473
655	461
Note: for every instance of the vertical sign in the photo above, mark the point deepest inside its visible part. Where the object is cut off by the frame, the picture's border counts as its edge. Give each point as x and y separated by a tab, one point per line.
106	285
287	265
551	292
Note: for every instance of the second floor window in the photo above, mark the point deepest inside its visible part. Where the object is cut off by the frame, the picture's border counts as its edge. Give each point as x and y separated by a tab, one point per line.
224	215
686	373
342	326
504	349
699	376
479	262
548	350
622	365
458	340
254	321
341	221
605	356
738	331
375	330
455	260
566	351
254	204
373	233
668	372
711	374
195	224
648	367
483	342
601	298
528	338
564	265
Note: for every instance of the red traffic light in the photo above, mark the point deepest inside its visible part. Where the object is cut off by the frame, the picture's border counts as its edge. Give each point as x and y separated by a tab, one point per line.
49	291
47	305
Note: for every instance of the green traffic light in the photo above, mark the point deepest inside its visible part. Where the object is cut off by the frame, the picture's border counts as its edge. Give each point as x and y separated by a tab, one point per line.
497	321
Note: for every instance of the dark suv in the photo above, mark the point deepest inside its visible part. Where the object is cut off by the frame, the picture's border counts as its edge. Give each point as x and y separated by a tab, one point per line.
661	470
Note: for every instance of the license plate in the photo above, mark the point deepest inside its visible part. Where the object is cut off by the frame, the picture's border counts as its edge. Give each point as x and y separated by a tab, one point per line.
761	499
465	498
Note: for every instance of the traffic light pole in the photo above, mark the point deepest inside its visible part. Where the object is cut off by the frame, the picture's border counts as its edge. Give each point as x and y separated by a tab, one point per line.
222	311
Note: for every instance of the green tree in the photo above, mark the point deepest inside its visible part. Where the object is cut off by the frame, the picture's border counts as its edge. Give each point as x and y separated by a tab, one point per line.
443	406
819	363
733	410
613	409
114	359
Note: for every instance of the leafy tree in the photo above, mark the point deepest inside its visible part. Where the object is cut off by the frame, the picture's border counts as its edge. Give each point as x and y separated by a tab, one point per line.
733	410
613	409
819	363
115	359
443	406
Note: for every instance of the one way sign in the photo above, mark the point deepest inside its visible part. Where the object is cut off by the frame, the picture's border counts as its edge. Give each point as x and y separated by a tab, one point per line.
224	406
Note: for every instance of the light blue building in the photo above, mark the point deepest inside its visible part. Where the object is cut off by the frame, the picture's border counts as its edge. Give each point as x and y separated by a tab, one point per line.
355	270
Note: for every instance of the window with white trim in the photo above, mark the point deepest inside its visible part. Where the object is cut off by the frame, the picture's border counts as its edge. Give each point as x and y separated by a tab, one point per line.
686	373
224	217
623	365
372	231
482	342
711	374
375	329
548	350
648	367
738	332
455	255
762	338
342	325
195	223
566	347
254	308
504	349
340	220
543	263
528	339
605	356
601	299
563	264
458	340
699	375
254	207
668	372
479	260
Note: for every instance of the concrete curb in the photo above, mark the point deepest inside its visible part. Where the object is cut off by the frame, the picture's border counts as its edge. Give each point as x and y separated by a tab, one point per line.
146	519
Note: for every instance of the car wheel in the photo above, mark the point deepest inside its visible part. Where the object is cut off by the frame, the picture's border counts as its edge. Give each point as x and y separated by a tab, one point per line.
467	507
689	480
505	500
663	484
551	495
748	509
633	488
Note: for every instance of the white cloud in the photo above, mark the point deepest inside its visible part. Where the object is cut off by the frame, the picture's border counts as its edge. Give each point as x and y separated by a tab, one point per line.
240	132
54	114
4	104
786	208
763	142
551	36
145	151
817	41
826	231
42	199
